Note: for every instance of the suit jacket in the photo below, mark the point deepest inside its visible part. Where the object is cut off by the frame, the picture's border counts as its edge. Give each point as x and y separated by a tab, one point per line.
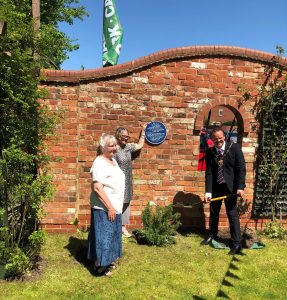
233	166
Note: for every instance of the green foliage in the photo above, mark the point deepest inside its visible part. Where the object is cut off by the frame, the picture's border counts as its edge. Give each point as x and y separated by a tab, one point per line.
4	237
25	184
270	111
272	154
159	227
51	45
19	260
35	242
275	230
18	263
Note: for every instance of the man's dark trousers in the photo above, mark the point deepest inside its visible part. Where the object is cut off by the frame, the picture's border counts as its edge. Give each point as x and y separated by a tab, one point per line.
231	210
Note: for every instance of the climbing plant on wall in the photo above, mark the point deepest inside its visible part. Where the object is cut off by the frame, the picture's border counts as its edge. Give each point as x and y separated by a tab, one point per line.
271	113
272	153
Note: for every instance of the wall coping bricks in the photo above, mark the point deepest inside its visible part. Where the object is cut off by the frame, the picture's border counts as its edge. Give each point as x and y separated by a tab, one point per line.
72	76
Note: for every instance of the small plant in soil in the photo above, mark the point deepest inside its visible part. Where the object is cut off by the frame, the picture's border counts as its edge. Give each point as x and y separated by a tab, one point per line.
159	226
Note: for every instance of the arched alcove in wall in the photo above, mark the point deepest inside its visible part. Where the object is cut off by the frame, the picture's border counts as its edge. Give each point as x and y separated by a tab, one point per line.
239	116
229	119
236	122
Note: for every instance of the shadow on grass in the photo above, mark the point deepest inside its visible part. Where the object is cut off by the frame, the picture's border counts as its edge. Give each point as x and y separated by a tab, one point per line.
78	249
229	275
226	279
186	231
222	295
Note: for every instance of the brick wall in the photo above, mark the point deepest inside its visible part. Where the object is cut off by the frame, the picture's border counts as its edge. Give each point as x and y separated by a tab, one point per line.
177	87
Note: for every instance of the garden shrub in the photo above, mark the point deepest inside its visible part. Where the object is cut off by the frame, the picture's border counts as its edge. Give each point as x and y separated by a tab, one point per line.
35	242
18	263
159	227
275	230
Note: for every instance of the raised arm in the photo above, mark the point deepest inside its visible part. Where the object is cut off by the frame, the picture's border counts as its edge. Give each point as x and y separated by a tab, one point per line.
141	141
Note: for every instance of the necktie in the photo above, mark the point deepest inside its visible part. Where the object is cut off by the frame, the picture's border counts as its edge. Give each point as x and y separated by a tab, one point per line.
220	177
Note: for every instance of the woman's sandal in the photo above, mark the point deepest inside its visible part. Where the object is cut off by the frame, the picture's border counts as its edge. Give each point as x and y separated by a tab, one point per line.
104	271
112	266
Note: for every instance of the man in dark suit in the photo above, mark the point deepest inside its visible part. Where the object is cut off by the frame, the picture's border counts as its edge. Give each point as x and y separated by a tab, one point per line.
225	175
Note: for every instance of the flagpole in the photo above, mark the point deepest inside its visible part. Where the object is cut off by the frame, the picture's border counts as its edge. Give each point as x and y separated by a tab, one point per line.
36	14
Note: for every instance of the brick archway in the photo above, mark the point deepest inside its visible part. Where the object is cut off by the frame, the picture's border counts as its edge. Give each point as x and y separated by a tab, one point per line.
244	118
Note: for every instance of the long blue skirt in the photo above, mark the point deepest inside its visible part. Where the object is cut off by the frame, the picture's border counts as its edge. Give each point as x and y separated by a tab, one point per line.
105	238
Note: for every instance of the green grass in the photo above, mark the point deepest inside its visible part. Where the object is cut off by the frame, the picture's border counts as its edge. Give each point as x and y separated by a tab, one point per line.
185	270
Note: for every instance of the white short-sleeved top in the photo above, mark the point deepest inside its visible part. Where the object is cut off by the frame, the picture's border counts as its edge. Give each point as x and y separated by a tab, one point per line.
113	180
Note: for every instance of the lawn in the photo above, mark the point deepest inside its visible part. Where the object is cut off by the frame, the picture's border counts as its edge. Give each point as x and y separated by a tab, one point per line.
185	270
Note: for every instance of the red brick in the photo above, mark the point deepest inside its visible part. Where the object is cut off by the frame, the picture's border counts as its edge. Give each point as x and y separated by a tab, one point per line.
160	171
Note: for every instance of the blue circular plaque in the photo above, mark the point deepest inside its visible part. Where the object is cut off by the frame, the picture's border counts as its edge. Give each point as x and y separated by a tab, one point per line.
155	132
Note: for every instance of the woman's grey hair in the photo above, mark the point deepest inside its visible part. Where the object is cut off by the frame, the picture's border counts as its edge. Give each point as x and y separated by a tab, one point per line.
119	132
105	140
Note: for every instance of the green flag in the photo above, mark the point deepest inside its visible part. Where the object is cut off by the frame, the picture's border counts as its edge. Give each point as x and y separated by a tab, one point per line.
112	34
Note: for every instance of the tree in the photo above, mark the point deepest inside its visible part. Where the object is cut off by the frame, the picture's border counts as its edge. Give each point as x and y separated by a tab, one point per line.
25	124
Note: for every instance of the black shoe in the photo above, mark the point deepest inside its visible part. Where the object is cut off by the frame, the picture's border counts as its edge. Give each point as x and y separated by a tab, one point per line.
207	241
235	250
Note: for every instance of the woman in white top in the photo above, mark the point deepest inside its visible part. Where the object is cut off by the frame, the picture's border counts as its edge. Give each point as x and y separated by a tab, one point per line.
108	184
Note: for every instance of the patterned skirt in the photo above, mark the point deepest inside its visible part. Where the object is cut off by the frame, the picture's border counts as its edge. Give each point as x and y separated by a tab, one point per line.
105	238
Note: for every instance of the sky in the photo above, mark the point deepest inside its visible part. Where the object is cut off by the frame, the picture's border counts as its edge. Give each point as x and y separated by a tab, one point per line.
154	25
